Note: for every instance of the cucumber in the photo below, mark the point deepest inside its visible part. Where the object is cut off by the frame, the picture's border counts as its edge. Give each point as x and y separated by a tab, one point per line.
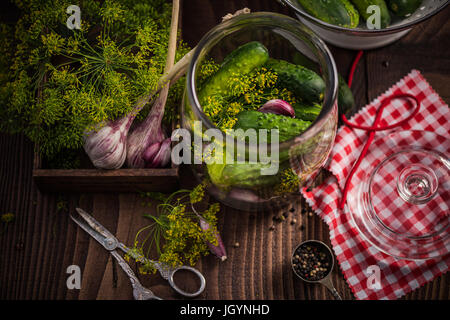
362	5
346	101
242	175
338	12
403	8
288	127
304	83
307	112
242	60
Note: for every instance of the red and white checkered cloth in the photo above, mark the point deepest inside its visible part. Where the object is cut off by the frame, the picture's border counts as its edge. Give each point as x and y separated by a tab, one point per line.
355	255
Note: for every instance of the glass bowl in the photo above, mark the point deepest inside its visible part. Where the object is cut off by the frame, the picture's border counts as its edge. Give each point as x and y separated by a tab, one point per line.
362	38
284	37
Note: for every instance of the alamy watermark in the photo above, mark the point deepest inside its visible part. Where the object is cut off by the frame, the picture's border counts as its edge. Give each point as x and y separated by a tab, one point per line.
239	146
373	277
374	20
74	279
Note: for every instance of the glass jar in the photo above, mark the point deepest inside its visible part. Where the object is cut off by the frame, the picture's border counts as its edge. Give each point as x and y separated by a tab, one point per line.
250	189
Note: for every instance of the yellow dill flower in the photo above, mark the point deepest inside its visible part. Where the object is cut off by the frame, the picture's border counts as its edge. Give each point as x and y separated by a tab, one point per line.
234	108
7	217
228	123
197	194
290	182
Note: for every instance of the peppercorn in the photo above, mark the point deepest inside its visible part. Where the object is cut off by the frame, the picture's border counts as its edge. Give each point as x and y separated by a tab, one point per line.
311	261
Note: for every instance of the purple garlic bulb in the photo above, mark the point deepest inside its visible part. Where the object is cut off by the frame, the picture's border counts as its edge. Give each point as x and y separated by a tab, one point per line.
141	141
107	147
278	106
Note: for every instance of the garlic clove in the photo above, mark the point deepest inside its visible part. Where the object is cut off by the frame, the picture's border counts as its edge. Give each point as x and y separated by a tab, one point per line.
278	106
162	157
150	153
219	250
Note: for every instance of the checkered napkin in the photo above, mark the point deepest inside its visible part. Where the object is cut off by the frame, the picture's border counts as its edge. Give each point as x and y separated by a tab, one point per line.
356	256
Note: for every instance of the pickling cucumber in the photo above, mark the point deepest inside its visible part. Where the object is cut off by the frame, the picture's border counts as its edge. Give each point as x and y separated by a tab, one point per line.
307	112
288	127
304	83
362	5
403	8
242	60
346	101
338	12
242	175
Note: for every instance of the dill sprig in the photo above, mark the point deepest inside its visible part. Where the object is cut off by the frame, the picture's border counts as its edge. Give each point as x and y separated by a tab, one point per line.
290	182
174	231
244	92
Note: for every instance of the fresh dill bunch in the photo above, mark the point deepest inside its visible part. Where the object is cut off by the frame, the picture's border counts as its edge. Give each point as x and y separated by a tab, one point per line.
175	231
57	84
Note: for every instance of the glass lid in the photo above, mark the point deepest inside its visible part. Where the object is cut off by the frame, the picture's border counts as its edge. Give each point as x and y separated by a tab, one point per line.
400	200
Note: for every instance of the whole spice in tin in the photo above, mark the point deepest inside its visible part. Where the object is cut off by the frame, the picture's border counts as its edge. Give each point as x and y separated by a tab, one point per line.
312	262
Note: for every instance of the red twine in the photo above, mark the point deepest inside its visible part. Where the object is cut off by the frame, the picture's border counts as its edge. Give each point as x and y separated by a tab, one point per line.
375	126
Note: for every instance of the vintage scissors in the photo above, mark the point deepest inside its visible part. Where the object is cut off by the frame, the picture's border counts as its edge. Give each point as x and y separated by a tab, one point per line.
111	243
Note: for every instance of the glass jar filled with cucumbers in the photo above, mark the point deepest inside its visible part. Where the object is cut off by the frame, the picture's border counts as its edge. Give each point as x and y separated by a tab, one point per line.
363	24
268	74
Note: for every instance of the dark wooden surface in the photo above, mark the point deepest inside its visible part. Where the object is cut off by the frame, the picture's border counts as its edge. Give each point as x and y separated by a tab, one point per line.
37	248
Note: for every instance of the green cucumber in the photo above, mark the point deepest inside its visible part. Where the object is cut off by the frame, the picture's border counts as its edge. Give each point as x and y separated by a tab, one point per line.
338	12
304	83
362	5
403	8
242	60
346	101
307	112
288	127
242	175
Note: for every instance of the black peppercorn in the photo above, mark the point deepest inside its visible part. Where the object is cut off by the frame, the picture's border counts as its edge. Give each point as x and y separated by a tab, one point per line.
311	261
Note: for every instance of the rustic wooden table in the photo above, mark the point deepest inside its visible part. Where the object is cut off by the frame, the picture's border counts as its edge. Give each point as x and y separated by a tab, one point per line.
37	248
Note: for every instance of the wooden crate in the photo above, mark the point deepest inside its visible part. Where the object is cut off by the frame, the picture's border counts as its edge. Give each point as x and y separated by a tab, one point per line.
90	179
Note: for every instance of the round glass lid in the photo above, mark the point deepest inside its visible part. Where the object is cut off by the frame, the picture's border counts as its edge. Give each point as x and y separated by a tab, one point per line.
400	200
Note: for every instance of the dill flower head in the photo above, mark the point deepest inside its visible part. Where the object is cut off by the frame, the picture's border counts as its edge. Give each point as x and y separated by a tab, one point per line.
244	92
7	217
197	194
290	182
175	230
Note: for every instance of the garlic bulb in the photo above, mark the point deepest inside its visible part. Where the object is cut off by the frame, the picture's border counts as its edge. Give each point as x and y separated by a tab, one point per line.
107	147
141	141
147	134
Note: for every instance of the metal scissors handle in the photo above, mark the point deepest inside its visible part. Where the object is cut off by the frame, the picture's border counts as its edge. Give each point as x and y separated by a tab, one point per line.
168	272
111	243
